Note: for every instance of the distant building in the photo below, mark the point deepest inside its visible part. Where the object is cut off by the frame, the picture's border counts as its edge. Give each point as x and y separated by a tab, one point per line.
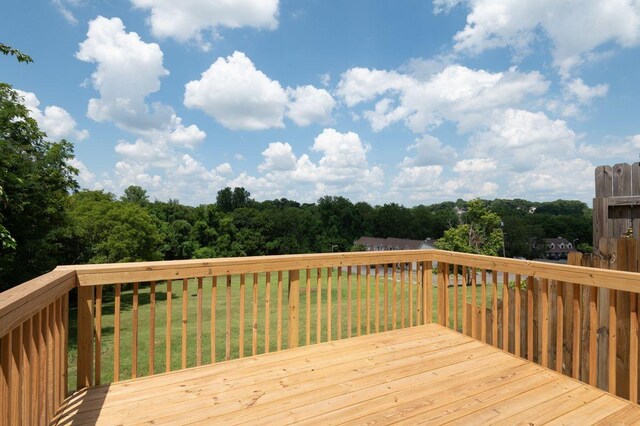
383	244
557	248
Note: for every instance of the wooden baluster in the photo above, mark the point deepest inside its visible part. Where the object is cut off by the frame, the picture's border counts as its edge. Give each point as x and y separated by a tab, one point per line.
241	319
5	379
294	307
25	367
329	313
116	334
544	324
42	365
199	323
613	341
212	322
494	308
34	378
318	305
152	327
254	316
279	320
505	312
593	336
167	332
308	306
455	297
65	342
85	337
377	300
98	335
483	306
426	292
368	297
517	316
267	313
349	302
60	354
386	297
394	309
14	374
474	305
227	354
185	301
633	347
559	326
402	278
465	284
409	272
134	333
339	316
575	332
358	299
530	349
51	408
419	287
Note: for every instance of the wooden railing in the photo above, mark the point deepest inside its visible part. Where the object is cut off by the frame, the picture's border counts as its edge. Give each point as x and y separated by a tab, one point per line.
135	320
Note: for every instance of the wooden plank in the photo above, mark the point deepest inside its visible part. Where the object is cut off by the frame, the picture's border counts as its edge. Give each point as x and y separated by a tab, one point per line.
358	301
116	334
185	305
241	313
604	181
633	347
294	307
465	324
98	336
505	312
25	370
85	338
559	326
517	316
199	323
419	284
349	301
254	316
213	320
483	306
445	295
494	308
319	305
544	323
621	179
593	336
474	328
167	330
635	180
227	355
386	298
329	297
14	378
456	295
613	344
530	349
43	365
152	327
267	312
50	377
368	298
624	201
308	322
441	284
134	333
429	292
339	314
402	285
575	346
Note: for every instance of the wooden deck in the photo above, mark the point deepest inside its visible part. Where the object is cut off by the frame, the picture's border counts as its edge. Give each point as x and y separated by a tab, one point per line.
426	374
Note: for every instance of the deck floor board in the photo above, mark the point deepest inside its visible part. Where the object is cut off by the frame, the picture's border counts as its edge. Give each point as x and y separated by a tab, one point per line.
426	374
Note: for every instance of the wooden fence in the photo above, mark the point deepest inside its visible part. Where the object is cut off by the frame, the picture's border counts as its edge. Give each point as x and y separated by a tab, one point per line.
154	317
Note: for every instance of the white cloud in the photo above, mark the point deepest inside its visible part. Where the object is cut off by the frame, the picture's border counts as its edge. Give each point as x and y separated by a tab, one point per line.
64	11
278	157
575	27
325	79
127	71
456	93
308	104
583	93
55	121
224	169
475	165
237	95
187	20
86	178
429	151
154	153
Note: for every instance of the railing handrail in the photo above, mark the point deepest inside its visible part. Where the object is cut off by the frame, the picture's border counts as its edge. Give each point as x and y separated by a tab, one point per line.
23	301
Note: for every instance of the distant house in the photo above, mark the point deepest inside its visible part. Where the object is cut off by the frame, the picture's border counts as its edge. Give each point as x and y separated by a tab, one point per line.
383	244
557	248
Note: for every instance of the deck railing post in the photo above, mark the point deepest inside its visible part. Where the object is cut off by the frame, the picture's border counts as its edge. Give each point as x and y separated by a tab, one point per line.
442	269
85	336
294	307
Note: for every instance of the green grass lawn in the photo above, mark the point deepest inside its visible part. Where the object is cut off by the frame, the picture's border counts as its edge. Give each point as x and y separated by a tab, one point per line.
305	309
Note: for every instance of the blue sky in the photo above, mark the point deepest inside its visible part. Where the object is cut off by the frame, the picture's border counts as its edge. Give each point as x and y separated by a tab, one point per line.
379	101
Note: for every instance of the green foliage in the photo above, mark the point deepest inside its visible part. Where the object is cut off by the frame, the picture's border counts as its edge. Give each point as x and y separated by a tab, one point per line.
584	248
21	57
135	194
35	179
479	234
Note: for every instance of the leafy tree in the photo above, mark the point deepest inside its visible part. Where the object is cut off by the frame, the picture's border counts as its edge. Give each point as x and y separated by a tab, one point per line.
480	232
135	194
21	57
35	179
